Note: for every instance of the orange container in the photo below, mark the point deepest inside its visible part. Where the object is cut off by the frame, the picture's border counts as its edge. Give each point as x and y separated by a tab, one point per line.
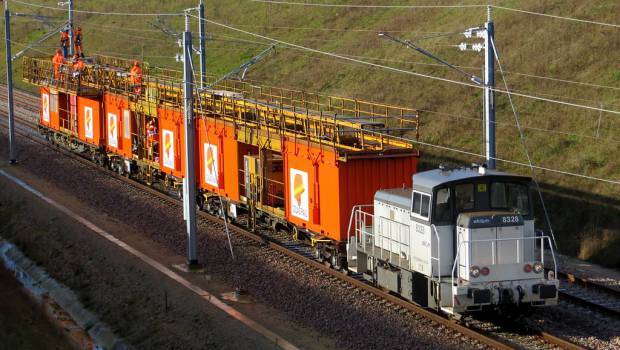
117	124
49	109
171	141
320	190
90	123
217	157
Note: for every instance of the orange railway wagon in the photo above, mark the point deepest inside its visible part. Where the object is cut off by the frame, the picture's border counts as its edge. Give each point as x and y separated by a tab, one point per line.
298	162
321	190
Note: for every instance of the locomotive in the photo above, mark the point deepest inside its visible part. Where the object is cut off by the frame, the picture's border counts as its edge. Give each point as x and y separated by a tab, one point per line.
460	240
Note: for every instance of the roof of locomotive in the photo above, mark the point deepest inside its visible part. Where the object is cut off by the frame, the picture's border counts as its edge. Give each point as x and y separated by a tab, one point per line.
398	197
426	181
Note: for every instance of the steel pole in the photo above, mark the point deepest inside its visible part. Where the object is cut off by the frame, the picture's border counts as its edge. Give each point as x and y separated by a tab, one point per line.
189	190
203	46
489	94
9	83
71	28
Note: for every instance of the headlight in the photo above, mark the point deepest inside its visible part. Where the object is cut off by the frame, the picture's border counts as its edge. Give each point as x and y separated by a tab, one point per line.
474	271
538	267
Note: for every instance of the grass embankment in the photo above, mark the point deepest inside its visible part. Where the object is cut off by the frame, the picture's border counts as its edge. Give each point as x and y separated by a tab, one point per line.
584	213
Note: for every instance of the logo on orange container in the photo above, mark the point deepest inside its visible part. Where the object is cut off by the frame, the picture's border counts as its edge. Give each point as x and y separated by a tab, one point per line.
299	194
168	149
298	184
211	164
45	104
112	130
88	122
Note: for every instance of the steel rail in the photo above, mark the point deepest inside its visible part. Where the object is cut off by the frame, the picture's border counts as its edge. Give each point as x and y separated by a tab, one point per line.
587	284
480	336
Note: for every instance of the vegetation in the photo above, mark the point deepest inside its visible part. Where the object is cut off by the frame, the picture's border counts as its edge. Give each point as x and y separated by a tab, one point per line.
584	213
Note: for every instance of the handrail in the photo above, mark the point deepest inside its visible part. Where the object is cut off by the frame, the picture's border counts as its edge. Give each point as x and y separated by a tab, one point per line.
542	254
353	210
336	121
434	228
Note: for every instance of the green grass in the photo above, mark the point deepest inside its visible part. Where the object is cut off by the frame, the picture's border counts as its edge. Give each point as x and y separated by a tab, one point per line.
527	44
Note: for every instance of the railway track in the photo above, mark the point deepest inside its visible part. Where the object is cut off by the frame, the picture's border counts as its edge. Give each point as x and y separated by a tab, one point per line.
489	334
595	296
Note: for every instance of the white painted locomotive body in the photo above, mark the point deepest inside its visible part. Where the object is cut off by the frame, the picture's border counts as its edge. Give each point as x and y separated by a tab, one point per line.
458	241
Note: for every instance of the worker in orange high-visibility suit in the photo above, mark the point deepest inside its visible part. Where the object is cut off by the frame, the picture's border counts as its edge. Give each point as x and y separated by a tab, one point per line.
136	78
78	65
151	138
58	60
77	42
64	42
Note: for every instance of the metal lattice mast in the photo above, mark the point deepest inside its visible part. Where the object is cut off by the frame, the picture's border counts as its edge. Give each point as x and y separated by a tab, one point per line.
489	94
189	182
9	84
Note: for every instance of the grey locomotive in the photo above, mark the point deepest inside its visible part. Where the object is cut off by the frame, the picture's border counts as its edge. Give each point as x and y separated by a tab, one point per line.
459	241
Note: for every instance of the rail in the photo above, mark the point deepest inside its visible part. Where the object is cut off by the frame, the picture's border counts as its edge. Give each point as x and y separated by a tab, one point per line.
456	272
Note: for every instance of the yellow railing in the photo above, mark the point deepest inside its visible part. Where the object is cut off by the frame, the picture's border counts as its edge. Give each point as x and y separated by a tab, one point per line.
342	123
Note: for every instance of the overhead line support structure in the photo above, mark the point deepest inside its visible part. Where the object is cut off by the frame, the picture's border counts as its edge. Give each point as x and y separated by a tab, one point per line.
71	48
489	93
189	183
9	78
203	46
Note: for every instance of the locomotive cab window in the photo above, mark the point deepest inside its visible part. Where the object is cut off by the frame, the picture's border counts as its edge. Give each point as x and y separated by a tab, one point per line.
464	195
442	215
510	196
420	206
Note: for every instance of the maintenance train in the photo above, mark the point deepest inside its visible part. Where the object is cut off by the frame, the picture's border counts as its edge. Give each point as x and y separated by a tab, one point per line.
456	240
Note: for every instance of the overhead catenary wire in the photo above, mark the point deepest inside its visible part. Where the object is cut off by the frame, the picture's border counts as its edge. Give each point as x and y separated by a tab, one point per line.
457	116
273	40
385	6
97	12
523	142
398	70
366	6
404	72
441	114
614	25
594	85
326	29
342	5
